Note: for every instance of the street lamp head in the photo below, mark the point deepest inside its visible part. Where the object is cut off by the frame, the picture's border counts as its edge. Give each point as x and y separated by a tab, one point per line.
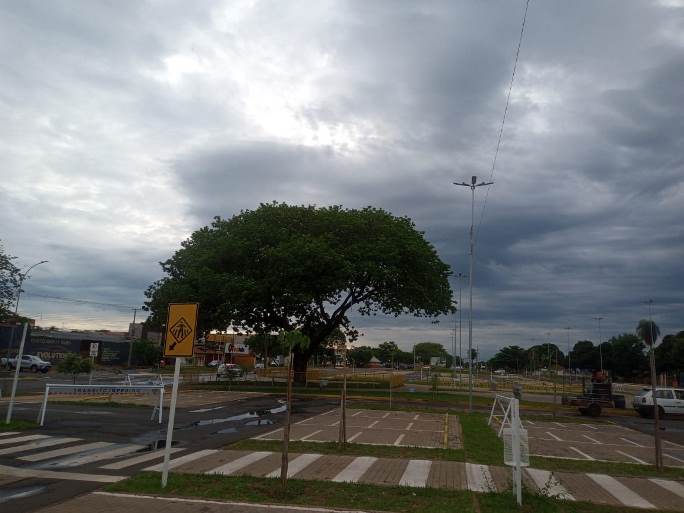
473	180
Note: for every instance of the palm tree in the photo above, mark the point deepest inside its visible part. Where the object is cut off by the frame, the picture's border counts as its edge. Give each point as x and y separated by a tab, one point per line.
649	332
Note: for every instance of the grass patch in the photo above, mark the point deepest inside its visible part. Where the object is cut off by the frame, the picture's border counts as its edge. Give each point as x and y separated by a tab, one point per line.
605	467
18	425
399	499
300	492
379	451
480	441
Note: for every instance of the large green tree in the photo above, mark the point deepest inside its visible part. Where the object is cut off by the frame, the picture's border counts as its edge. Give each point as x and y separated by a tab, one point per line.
511	358
283	267
427	350
626	357
9	283
670	353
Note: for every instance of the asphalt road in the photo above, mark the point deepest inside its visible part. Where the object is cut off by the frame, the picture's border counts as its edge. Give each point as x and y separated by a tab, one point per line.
209	426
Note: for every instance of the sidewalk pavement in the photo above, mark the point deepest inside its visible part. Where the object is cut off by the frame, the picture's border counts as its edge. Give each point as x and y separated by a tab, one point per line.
648	493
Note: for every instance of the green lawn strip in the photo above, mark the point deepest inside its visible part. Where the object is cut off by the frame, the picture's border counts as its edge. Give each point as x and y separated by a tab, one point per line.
300	492
480	441
326	494
379	451
505	502
605	467
18	425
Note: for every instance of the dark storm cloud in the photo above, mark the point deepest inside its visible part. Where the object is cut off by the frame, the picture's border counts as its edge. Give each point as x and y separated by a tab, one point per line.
130	126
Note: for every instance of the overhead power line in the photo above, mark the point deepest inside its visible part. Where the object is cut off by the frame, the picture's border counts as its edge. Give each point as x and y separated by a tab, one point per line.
83	301
503	119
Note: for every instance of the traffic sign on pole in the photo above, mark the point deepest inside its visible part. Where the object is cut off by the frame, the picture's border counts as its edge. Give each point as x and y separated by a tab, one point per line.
94	347
181	327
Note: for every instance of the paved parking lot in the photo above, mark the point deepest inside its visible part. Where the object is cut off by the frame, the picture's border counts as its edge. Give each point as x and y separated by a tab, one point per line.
598	442
378	427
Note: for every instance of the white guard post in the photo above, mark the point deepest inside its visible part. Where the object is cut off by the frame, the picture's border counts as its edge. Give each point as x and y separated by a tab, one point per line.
63	389
172	418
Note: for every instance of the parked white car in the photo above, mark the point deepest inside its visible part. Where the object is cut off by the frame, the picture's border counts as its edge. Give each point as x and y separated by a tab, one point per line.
670	401
30	362
229	370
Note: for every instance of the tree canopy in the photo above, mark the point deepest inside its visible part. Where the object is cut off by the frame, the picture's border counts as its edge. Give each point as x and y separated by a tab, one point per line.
9	282
283	267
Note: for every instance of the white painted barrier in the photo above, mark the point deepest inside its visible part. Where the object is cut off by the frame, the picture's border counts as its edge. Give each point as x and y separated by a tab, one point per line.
64	389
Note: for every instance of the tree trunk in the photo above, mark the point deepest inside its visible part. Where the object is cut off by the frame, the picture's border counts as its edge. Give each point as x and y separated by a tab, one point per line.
300	362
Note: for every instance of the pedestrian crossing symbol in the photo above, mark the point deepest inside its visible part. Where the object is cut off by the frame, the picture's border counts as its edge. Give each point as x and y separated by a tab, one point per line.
181	328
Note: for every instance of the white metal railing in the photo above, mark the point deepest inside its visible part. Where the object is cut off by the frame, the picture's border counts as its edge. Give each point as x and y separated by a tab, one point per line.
501	410
64	389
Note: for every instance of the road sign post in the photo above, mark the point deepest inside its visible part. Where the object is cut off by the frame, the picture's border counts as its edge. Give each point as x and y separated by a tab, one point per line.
94	348
17	368
181	327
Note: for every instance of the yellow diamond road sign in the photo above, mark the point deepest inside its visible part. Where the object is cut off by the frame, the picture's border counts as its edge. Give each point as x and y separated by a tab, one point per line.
181	327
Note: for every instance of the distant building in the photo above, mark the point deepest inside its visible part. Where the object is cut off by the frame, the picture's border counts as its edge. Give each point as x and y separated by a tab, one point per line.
374	363
140	330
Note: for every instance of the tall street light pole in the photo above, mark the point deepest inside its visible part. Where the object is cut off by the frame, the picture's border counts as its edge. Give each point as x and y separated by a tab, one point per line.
654	379
599	319
22	277
472	185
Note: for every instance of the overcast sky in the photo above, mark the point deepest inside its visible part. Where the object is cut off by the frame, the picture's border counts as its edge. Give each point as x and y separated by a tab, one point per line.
127	125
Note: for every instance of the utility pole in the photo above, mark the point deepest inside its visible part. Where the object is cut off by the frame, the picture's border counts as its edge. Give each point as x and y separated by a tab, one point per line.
567	329
459	276
472	185
453	348
599	319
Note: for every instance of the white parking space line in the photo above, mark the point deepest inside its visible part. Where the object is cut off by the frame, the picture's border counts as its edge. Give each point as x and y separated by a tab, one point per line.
560	425
385	415
118	465
399	439
36	444
6	441
673	457
672	486
675	444
309	435
354	437
357	413
479	478
640	461
260	437
416	473
240	463
9	433
92	457
187	458
547	482
353	472
592	439
417	415
336	423
296	465
590	426
623	494
410	425
372	424
204	410
586	456
531	423
631	442
62	476
554	436
67	450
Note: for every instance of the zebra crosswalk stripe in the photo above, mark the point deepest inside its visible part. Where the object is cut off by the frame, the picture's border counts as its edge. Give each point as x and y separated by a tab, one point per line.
9	433
41	456
353	472
93	456
623	494
672	486
479	478
416	473
26	438
548	483
186	458
36	444
296	465
240	463
118	465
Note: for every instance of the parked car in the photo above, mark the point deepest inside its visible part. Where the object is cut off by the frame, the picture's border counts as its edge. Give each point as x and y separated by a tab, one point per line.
670	401
259	365
231	370
28	361
214	363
